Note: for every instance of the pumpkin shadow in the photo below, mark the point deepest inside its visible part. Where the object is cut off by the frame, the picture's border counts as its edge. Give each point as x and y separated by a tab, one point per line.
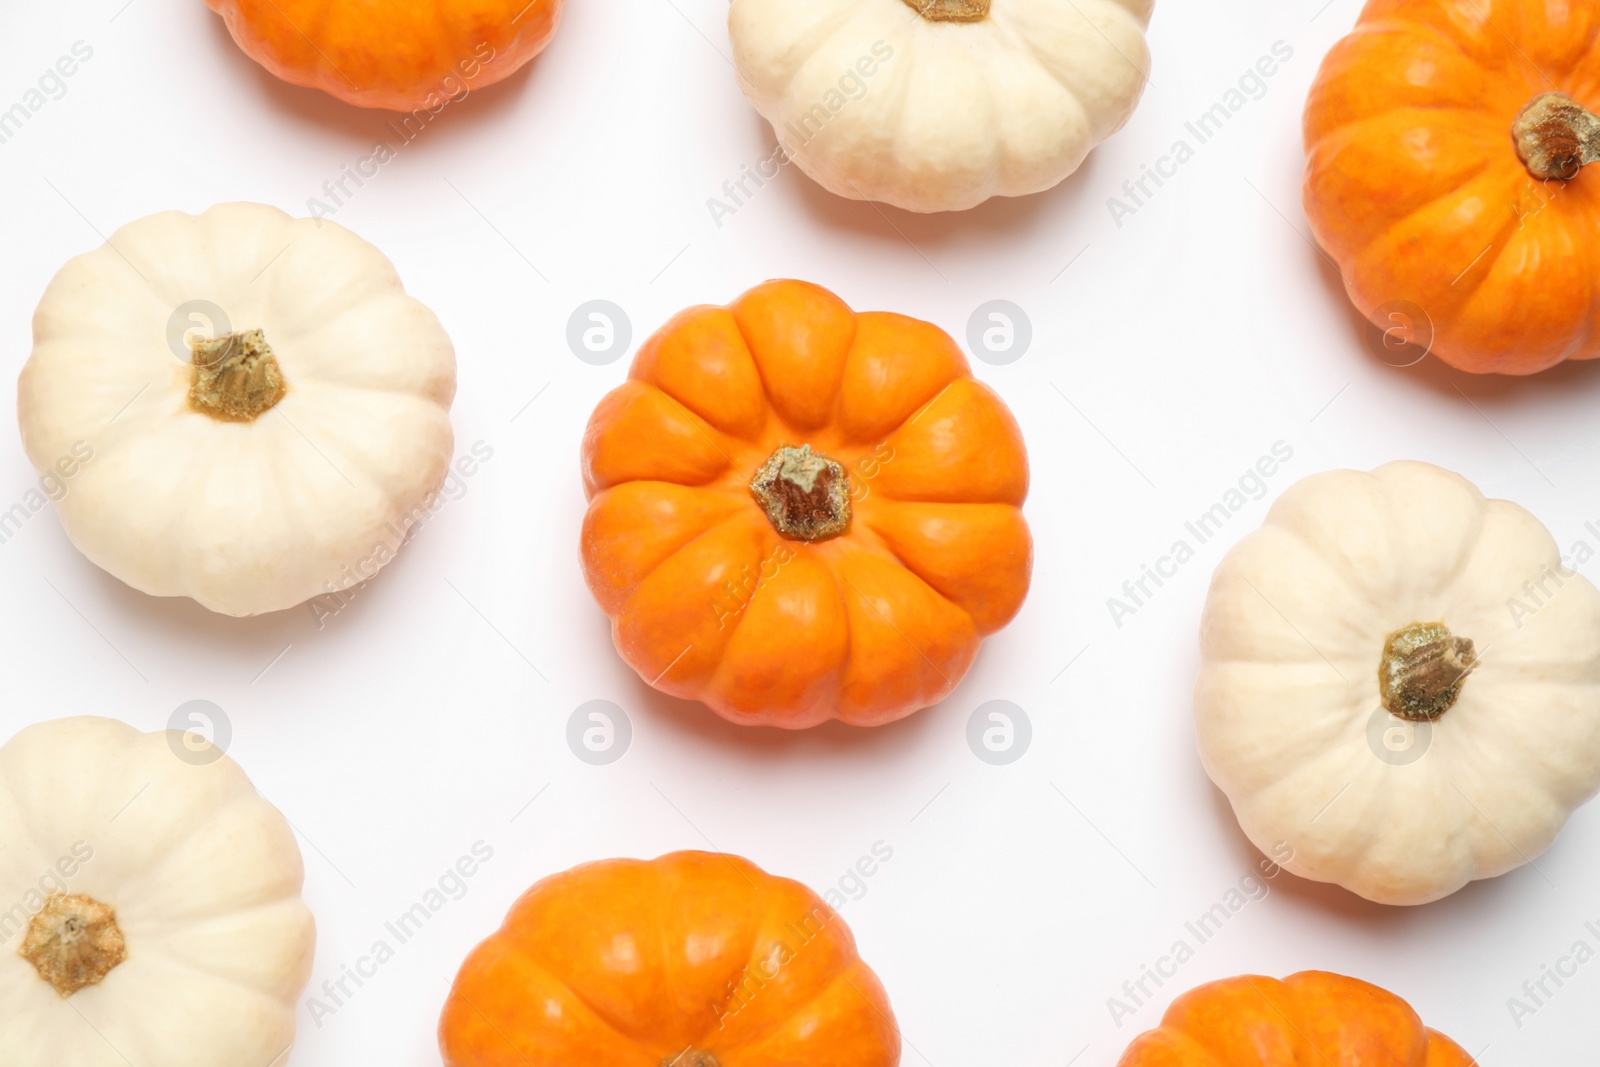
691	721
1464	909
184	623
367	127
1414	367
999	219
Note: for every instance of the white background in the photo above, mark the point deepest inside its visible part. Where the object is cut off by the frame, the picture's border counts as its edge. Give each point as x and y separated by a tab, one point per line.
1171	354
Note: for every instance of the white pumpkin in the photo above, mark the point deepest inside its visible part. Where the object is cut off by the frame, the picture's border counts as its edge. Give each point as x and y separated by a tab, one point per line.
938	105
1400	683
241	407
150	911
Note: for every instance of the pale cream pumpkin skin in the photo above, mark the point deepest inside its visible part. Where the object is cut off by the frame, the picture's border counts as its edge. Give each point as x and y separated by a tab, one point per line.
201	879
1402	795
938	105
276	483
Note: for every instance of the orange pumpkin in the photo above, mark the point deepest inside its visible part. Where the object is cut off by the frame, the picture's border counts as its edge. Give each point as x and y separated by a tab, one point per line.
404	55
691	960
1310	1018
799	513
1445	141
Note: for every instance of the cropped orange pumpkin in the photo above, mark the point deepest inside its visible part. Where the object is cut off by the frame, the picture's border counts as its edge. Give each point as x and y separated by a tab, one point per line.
1310	1018
1445	141
404	55
798	513
695	959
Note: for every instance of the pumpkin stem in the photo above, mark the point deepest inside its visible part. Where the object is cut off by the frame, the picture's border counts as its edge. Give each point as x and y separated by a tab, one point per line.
236	377
73	942
1422	670
1555	136
951	10
806	496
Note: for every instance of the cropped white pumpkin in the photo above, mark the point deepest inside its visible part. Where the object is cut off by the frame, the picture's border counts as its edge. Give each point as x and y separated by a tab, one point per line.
1399	760
249	487
110	841
938	105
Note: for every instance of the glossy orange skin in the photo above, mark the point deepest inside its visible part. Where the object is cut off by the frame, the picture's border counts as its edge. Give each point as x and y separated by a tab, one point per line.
1310	1019
1414	188
709	602
629	963
404	55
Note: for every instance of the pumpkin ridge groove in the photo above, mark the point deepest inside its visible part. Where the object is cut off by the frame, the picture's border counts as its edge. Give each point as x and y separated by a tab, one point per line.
700	682
1291	1021
886	546
1353	129
735	516
522	951
1201	1043
178	963
1483	267
697	422
1332	566
1003	20
728	515
1068	91
867	603
1397	24
922	408
814	47
351	465
779	1022
768	411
